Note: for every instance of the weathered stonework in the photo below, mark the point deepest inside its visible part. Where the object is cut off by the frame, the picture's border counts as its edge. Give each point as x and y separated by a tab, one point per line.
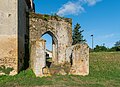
8	52
8	34
63	51
78	56
60	30
38	58
19	28
12	32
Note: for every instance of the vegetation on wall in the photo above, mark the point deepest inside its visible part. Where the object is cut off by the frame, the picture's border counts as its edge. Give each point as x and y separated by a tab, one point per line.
5	70
49	17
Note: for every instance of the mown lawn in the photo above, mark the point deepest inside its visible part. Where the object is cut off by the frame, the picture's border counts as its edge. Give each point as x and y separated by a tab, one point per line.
104	72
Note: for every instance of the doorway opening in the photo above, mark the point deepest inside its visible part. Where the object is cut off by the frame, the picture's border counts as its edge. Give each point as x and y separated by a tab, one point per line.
51	48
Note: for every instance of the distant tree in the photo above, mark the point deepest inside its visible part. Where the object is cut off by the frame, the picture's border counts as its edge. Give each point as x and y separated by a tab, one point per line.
100	48
117	43
77	35
113	49
116	46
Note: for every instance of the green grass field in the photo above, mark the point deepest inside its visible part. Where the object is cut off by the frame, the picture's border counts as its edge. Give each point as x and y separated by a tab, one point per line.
104	72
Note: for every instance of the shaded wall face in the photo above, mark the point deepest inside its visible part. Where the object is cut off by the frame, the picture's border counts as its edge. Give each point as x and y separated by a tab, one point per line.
8	34
22	25
61	29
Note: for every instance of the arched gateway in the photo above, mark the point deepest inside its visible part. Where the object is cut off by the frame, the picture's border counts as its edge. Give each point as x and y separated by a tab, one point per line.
60	29
54	47
15	35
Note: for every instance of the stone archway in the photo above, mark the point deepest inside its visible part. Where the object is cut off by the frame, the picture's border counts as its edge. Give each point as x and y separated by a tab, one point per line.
54	47
38	53
61	31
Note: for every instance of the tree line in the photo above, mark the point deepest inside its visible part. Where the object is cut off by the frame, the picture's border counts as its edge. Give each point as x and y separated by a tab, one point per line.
78	38
116	47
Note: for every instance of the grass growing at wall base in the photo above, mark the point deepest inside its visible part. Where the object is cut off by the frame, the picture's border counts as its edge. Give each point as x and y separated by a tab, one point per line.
104	72
5	70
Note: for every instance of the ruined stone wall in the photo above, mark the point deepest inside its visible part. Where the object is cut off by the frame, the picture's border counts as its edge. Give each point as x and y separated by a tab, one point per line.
60	28
38	56
12	26
78	56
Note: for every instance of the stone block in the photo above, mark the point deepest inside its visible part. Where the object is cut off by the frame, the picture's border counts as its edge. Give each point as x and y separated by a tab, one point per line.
38	58
78	56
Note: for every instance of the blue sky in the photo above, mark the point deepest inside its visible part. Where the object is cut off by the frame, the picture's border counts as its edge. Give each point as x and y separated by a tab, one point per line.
98	17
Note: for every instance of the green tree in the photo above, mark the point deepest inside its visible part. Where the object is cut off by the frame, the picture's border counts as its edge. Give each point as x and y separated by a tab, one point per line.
100	48
77	35
117	44
113	49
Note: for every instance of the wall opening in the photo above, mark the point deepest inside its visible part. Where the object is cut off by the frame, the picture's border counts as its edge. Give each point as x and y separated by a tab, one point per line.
51	48
48	49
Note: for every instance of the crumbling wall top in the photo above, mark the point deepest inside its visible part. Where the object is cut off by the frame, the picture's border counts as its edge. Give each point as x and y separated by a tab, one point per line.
49	17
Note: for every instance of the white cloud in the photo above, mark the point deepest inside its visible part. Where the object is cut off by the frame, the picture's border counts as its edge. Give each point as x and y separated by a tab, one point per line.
75	8
90	2
109	35
70	8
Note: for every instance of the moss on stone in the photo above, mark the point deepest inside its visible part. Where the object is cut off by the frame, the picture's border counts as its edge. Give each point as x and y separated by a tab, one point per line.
47	17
